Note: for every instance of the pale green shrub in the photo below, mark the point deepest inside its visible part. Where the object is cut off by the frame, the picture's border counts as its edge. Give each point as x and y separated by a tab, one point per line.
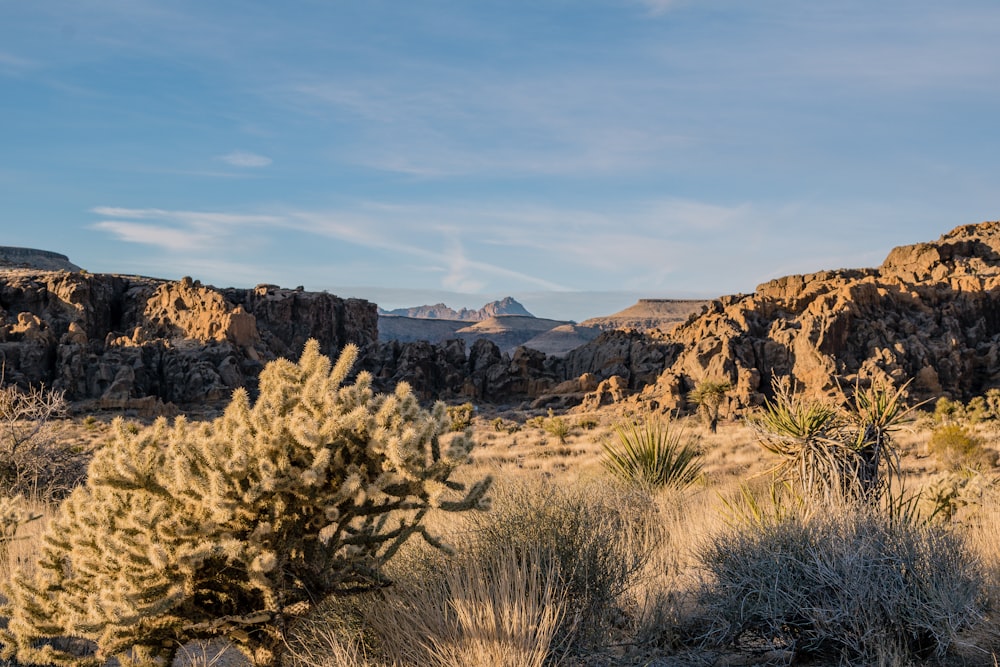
957	447
557	427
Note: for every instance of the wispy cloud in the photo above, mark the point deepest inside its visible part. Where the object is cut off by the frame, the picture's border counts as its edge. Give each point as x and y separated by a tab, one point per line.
178	231
450	123
659	7
15	65
659	246
160	237
245	159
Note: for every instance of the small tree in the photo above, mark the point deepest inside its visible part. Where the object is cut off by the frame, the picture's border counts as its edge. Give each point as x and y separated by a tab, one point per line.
234	528
708	397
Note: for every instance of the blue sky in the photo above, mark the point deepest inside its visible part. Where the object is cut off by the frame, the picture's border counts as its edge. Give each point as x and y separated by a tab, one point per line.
573	153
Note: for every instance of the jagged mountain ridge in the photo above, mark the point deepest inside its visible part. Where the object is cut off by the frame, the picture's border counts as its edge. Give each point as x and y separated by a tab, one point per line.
439	311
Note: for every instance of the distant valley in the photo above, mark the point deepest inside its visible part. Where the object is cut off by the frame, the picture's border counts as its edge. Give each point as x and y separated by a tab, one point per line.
509	324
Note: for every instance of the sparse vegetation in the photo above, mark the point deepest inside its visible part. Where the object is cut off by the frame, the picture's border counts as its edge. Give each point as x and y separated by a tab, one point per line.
574	566
957	447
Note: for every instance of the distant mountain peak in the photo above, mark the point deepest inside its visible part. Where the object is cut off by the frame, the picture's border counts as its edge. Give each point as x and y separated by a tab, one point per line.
439	311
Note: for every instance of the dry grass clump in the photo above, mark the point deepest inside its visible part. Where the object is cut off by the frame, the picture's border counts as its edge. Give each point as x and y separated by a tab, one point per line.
550	571
850	586
596	535
500	610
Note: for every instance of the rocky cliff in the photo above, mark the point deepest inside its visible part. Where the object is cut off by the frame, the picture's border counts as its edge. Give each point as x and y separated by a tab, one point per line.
128	341
930	313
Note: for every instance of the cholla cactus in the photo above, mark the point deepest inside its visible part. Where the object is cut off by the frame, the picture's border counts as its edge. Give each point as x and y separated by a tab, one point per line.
235	527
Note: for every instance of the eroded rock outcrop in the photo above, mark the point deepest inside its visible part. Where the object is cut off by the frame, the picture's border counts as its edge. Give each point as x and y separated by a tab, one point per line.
930	312
128	341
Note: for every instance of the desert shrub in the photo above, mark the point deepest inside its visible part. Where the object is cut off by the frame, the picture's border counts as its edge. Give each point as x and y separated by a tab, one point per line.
557	427
947	410
32	462
538	421
237	527
501	425
592	534
588	423
461	416
654	454
957	447
855	587
708	396
952	492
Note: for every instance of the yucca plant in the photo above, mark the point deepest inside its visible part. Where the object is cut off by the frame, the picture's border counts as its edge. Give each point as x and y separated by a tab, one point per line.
708	397
803	434
653	453
835	454
875	413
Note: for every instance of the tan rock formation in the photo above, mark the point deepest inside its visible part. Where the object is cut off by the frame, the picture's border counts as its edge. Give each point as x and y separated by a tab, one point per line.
114	341
931	312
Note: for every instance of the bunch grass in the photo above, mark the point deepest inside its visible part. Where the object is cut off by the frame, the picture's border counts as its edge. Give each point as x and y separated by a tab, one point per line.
654	454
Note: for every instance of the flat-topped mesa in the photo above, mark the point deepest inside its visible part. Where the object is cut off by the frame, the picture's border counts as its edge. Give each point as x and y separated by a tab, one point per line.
31	258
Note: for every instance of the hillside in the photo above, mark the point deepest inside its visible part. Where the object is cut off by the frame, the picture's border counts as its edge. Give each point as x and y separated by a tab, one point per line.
505	322
506	331
929	315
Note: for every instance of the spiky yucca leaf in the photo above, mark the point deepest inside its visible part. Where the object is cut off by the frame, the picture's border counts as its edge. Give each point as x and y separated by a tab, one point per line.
653	453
